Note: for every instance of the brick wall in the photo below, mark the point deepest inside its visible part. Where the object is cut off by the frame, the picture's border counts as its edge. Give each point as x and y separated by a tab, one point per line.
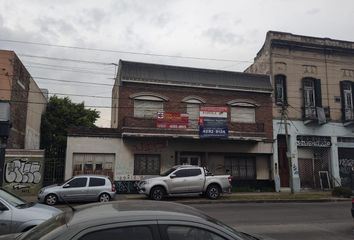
213	98
19	98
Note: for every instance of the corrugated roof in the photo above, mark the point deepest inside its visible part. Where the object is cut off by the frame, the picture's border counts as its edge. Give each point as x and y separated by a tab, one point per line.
186	76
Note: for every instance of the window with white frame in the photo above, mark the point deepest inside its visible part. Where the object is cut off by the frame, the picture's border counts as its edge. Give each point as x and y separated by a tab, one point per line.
309	93
347	98
280	90
243	113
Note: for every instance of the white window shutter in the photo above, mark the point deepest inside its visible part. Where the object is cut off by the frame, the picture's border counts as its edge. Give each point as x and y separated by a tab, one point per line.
243	114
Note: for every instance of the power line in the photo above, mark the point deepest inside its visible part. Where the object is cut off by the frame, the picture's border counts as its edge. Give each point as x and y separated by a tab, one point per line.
66	59
68	70
122	52
67	81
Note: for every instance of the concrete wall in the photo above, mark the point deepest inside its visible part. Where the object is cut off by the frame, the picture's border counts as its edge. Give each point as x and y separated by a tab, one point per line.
24	171
123	163
34	115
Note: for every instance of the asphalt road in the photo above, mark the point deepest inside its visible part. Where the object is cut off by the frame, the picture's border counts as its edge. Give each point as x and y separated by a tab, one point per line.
304	221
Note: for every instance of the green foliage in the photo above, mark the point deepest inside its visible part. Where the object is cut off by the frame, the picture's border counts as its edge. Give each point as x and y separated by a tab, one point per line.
62	114
342	192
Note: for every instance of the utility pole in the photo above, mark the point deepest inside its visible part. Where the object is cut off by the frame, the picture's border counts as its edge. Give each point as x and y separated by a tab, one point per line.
288	153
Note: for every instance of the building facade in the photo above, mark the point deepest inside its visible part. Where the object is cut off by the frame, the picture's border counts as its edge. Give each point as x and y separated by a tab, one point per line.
24	161
313	89
167	115
172	115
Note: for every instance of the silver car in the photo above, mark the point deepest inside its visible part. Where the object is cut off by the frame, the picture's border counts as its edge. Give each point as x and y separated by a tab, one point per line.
79	188
17	215
132	220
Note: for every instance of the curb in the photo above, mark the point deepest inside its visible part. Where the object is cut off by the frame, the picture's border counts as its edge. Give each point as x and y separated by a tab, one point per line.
225	201
262	201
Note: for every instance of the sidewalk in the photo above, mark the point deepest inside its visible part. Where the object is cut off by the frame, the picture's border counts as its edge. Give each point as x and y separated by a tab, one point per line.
252	197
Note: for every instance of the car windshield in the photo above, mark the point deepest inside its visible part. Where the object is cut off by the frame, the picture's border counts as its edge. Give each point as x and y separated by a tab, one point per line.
12	199
168	172
46	227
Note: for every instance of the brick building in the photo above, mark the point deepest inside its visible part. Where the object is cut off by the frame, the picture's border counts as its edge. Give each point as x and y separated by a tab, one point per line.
27	103
142	91
157	109
313	80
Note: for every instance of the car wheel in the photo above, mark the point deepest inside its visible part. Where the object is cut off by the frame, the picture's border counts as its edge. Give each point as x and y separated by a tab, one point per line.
51	199
213	192
104	197
157	193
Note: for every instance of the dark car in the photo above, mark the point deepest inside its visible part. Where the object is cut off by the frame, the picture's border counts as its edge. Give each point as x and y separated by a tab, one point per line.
132	220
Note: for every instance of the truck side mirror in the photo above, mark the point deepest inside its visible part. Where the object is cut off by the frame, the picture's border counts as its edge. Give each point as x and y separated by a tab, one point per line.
172	176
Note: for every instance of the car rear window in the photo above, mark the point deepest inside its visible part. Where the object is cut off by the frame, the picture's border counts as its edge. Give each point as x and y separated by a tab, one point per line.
95	182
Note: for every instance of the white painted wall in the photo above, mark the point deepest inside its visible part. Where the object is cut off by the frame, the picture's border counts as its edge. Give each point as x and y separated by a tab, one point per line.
123	164
296	128
34	115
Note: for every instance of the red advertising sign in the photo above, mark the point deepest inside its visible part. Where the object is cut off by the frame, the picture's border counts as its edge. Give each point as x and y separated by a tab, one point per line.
217	112
172	120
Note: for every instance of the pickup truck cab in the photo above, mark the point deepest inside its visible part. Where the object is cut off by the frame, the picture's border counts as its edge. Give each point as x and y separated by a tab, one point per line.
185	180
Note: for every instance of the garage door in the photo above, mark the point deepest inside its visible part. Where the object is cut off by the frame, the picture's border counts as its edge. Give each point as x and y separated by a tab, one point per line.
94	163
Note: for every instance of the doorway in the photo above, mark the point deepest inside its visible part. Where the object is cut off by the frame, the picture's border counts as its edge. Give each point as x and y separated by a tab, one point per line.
283	161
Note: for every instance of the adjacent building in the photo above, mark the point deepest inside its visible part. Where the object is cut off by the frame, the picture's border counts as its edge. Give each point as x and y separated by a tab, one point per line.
313	88
168	115
24	160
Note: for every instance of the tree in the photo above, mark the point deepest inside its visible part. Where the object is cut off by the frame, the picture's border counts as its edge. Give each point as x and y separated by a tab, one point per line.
60	115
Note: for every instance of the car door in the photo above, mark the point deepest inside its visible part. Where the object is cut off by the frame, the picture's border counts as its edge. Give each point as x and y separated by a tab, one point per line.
75	189
95	187
5	218
196	180
177	182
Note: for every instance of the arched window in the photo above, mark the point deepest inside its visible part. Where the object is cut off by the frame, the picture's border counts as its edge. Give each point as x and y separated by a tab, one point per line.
147	105
243	111
193	109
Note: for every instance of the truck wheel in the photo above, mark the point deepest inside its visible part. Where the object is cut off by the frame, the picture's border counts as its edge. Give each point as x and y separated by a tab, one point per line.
213	192
157	193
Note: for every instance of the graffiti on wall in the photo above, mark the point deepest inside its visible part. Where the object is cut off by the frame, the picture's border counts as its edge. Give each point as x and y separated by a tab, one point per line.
22	173
345	171
126	186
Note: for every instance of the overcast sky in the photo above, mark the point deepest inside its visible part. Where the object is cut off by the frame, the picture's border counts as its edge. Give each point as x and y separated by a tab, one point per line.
218	29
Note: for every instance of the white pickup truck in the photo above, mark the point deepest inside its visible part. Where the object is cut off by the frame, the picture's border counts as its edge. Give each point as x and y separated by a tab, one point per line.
185	180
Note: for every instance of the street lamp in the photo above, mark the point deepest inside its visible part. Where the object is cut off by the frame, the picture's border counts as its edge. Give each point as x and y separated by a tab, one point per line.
5	126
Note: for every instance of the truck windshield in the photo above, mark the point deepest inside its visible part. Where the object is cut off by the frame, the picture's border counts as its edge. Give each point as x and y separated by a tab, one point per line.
168	172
